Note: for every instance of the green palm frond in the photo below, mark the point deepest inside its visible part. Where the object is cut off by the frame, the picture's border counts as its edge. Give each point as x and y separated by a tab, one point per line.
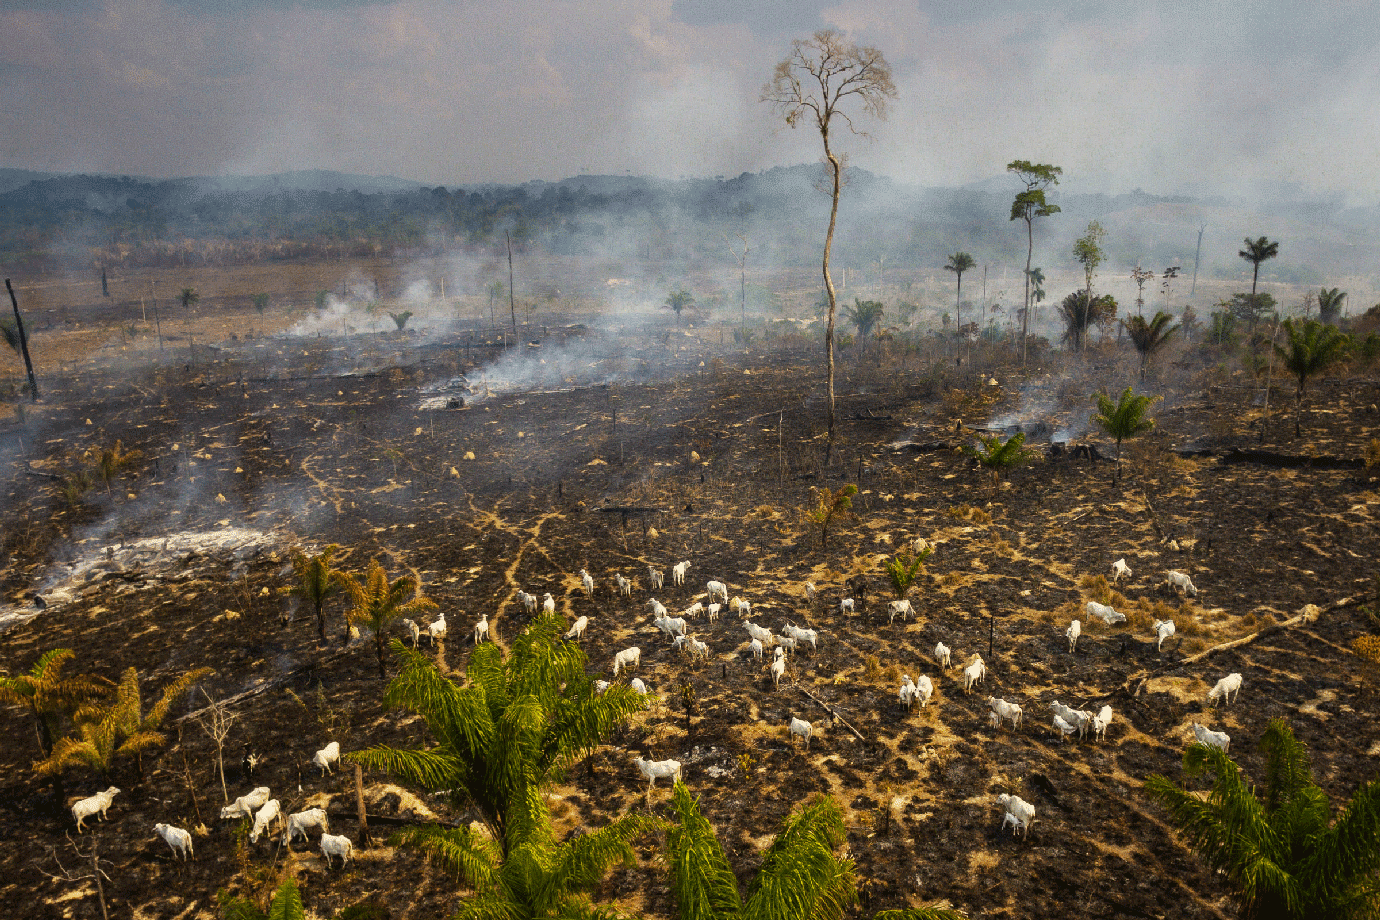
287	902
919	913
1280	854
582	863
801	877
1287	768
1347	854
434	769
903	570
702	881
474	857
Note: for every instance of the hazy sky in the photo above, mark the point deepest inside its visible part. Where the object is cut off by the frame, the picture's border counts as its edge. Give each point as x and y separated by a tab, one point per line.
1159	95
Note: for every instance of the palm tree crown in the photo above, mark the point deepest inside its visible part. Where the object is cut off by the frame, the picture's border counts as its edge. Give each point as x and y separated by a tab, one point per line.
1000	456
1285	855
959	263
1312	348
1123	419
864	314
378	603
1149	337
1330	304
499	740
1256	252
519	717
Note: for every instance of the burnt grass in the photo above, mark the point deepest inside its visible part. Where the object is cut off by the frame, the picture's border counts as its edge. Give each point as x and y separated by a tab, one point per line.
726	445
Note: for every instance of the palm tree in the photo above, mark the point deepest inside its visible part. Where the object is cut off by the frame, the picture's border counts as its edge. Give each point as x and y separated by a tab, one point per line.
1149	337
1000	456
120	727
521	717
315	582
47	694
959	263
801	877
1330	305
377	604
1285	855
902	570
286	905
1079	316
864	314
1256	252
260	302
1312	349
189	298
1123	419
679	300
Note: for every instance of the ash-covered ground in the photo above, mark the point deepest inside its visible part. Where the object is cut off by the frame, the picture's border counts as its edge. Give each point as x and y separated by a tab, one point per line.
505	485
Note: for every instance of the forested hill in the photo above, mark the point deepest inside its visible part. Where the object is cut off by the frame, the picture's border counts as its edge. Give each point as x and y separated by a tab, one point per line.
78	221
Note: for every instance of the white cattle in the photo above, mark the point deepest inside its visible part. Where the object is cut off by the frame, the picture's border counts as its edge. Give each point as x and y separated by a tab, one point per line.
93	805
300	822
656	769
336	845
1120	570
1163	630
942	655
678	572
802	728
177	838
627	659
1227	689
1073	632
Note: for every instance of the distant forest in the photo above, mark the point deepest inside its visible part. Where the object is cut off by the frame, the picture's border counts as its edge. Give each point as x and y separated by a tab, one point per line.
79	222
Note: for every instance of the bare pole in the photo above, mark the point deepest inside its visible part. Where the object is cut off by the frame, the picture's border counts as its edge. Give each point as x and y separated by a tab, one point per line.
512	308
1194	289
23	341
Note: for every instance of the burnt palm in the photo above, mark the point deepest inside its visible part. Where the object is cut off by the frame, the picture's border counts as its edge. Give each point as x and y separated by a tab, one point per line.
377	603
315	583
959	263
47	694
1150	337
1123	419
118	727
1311	350
1285	855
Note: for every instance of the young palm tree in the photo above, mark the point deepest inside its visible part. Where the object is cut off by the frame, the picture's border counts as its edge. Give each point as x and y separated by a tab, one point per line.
1149	337
829	507
1330	305
801	877
47	694
1123	419
959	263
1285	855
679	300
1312	349
520	717
1000	456
106	731
904	569
189	298
377	604
315	582
864	314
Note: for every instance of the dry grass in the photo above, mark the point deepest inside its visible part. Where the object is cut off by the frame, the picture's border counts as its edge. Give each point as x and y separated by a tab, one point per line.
968	513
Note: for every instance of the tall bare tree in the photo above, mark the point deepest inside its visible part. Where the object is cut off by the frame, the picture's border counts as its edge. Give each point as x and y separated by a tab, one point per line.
821	76
1028	205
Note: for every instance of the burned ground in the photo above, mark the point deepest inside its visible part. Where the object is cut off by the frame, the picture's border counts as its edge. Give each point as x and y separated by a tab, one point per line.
304	443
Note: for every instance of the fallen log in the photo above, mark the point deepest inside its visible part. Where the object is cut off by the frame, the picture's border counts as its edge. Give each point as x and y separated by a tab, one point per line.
1309	614
832	712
